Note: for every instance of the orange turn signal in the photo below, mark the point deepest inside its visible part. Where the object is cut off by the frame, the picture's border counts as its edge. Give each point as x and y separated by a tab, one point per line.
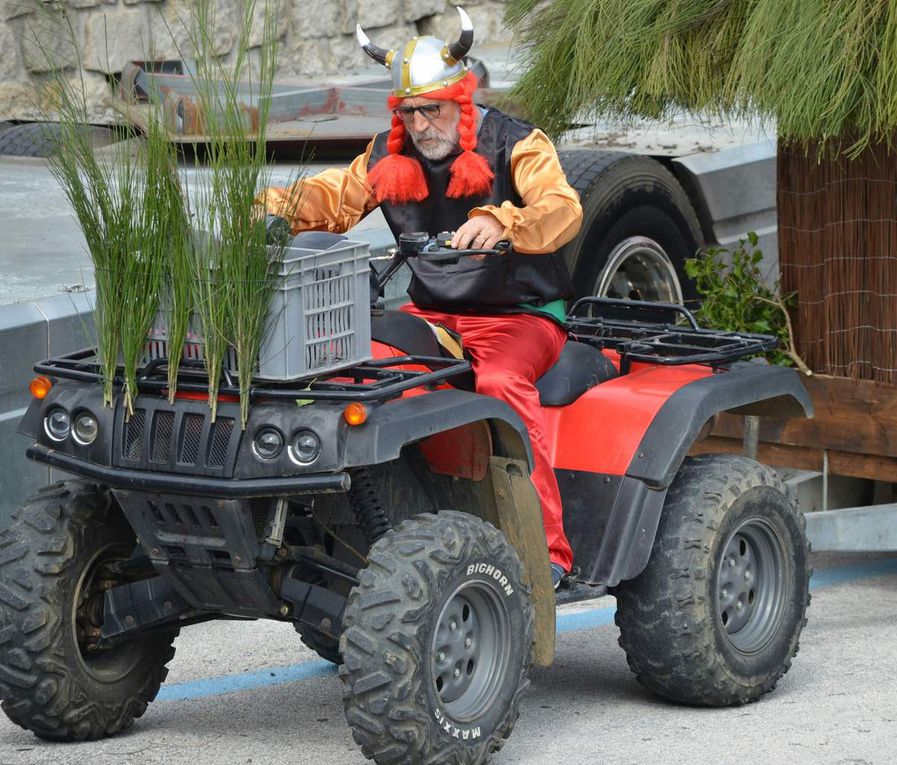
40	386
355	413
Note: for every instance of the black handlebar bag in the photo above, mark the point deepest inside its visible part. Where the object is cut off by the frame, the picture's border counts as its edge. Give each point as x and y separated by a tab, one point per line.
496	281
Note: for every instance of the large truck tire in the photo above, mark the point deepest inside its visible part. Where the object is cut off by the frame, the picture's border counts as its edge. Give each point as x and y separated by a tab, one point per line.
639	228
715	617
437	641
30	139
40	139
54	562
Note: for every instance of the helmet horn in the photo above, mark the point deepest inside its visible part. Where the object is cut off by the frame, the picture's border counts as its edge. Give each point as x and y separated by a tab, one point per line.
458	50
380	55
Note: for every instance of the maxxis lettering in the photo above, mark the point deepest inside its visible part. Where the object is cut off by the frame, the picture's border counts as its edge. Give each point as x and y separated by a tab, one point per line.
463	734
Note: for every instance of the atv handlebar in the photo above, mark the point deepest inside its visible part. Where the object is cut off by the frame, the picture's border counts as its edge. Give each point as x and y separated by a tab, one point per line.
419	244
436	249
439	248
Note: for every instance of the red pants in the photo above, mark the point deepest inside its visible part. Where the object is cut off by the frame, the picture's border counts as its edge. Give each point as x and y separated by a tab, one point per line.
509	353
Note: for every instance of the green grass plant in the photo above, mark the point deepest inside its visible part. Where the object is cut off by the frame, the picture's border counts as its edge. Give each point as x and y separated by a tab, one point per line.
137	218
235	275
114	202
159	225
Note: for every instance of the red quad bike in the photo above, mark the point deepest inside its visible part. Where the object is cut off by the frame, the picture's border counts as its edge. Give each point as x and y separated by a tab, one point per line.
390	518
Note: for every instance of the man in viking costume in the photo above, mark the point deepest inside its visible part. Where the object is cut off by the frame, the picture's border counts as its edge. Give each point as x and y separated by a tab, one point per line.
448	164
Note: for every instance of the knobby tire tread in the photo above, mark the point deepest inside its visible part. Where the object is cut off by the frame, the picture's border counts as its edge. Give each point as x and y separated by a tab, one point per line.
394	598
38	687
666	624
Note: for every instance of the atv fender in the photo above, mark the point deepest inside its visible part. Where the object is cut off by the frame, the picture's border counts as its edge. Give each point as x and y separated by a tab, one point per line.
635	501
515	509
746	388
398	423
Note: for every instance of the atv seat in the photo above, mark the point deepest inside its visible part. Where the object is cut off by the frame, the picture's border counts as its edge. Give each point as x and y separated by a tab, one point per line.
580	367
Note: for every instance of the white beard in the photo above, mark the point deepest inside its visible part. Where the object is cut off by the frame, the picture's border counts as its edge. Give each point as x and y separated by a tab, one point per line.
441	144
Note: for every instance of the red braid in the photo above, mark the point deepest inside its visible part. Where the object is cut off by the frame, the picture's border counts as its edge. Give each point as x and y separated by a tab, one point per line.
399	179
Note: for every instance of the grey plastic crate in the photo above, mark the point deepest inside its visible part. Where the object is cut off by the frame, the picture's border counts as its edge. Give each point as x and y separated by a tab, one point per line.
319	319
320	316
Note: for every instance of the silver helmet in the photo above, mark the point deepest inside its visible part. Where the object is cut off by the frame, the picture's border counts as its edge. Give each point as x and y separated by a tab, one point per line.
426	63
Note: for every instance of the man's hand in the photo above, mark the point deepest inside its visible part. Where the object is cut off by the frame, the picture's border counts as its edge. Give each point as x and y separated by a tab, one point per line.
482	232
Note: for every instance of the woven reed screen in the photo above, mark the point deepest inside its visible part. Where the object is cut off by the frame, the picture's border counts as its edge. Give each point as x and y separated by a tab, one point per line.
838	252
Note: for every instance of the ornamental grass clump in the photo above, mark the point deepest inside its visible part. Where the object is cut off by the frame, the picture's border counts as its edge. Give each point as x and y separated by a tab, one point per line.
116	204
159	225
235	271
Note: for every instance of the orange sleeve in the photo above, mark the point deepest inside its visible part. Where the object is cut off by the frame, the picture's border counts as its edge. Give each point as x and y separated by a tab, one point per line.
333	200
551	215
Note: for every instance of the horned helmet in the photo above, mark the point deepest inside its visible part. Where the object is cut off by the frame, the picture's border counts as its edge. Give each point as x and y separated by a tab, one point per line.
425	63
428	66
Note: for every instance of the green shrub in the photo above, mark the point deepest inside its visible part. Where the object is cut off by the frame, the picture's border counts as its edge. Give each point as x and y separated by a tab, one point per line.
736	297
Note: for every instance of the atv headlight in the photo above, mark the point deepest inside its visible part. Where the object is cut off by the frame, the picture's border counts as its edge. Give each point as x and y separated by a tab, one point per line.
267	444
57	424
305	447
85	429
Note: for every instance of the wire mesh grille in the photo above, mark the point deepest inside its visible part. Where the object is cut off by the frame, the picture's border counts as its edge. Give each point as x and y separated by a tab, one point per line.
191	438
220	440
134	429
164	427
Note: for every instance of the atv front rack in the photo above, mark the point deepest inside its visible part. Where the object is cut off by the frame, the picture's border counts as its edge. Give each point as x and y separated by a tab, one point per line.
375	380
658	333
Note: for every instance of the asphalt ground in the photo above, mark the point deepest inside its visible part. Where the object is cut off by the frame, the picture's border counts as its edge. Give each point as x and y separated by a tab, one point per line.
252	693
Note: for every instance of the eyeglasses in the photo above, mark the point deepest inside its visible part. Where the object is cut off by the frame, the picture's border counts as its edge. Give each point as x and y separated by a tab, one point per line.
429	112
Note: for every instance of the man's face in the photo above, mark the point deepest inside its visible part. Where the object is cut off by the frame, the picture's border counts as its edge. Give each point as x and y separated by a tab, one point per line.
434	136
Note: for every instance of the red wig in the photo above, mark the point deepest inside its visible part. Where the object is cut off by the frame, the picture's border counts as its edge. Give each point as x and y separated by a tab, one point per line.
399	179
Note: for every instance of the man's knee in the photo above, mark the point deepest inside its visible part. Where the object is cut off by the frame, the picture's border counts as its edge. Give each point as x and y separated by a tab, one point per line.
495	382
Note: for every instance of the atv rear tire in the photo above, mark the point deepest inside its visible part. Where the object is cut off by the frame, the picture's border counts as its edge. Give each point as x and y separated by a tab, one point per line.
715	617
437	642
52	681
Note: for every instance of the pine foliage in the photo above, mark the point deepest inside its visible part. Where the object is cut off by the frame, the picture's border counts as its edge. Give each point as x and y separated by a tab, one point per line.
823	69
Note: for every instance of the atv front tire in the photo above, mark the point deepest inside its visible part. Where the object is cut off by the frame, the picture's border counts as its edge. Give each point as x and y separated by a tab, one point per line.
54	679
437	642
715	617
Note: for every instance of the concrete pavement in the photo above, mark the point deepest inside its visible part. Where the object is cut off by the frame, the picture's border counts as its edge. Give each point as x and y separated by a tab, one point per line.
837	705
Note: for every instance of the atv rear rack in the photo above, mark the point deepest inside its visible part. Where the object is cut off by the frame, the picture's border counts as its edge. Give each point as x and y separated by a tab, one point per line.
658	333
375	380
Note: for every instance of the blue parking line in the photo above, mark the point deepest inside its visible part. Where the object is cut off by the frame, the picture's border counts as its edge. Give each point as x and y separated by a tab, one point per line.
576	622
245	681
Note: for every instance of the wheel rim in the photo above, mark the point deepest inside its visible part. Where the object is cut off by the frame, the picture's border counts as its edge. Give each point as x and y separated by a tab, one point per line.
108	664
639	269
470	650
750	585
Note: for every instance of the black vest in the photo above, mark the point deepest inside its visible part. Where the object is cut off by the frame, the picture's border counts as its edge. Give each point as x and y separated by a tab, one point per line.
497	282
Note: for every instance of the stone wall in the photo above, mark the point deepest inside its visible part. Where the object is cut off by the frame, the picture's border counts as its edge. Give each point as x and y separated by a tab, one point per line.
316	39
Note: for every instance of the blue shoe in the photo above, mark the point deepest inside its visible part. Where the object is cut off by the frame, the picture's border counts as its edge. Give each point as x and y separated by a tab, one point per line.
557	573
